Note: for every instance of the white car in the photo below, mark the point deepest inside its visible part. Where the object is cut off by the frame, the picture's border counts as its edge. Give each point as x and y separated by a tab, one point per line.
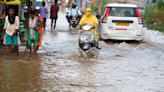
122	22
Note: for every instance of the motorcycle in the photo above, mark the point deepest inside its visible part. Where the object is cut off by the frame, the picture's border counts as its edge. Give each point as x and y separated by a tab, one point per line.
87	41
74	21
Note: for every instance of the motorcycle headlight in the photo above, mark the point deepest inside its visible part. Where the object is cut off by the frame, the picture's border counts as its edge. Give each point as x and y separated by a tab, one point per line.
86	27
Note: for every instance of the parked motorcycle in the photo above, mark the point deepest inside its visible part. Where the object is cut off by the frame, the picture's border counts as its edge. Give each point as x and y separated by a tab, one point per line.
87	41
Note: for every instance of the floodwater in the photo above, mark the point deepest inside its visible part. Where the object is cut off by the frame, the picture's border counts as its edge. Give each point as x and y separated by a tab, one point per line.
20	73
120	67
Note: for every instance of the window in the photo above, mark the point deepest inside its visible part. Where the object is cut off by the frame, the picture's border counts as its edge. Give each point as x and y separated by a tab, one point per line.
122	11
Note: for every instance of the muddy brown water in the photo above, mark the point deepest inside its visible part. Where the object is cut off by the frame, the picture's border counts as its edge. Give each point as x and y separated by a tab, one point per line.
20	73
120	67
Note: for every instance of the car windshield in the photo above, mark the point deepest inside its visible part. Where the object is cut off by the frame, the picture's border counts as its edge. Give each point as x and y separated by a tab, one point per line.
122	11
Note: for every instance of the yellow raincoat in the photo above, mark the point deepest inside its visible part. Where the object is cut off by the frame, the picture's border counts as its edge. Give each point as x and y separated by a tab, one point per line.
88	18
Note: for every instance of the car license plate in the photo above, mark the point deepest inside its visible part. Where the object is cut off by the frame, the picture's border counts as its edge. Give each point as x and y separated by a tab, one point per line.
122	24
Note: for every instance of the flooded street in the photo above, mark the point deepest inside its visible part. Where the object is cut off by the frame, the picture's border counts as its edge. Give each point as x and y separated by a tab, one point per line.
120	67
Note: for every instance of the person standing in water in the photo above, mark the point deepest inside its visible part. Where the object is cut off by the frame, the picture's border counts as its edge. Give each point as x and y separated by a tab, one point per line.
41	27
11	28
54	13
43	12
33	34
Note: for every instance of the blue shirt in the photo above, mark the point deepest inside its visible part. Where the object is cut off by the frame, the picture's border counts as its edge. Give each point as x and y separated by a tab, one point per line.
74	11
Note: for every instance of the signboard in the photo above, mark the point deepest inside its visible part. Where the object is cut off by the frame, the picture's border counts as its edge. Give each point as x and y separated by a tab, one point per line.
12	2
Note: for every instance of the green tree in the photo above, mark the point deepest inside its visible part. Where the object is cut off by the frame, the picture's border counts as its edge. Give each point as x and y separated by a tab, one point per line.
99	5
160	4
153	16
94	8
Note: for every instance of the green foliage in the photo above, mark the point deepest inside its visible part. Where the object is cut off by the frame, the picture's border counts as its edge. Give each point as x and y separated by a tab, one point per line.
153	16
25	1
149	14
103	3
160	4
94	8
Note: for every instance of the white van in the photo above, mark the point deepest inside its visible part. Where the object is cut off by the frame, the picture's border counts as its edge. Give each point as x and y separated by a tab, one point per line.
122	22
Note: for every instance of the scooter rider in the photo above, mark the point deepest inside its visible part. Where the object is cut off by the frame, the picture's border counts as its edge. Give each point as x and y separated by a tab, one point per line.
89	18
74	11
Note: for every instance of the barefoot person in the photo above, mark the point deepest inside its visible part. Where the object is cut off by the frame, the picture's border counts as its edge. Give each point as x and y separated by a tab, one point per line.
33	32
43	12
41	27
11	28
